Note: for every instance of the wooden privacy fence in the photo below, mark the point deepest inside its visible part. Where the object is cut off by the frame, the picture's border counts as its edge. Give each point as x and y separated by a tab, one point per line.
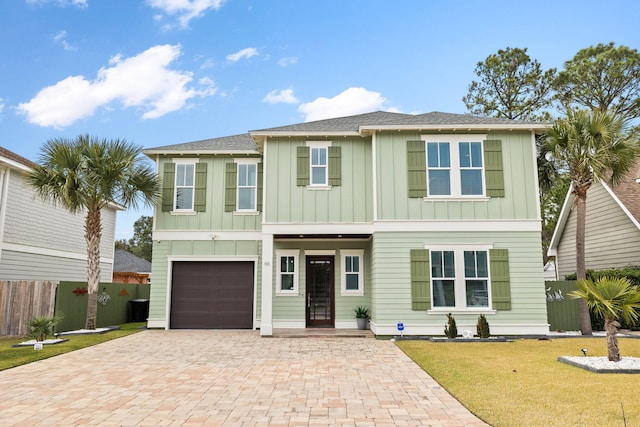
21	301
562	310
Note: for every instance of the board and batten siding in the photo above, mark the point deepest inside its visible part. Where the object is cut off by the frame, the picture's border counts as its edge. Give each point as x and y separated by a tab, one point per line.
202	249
214	216
519	168
391	297
292	308
611	239
349	202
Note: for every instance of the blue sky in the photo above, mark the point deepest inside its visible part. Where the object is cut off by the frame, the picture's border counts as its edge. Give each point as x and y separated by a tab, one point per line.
158	72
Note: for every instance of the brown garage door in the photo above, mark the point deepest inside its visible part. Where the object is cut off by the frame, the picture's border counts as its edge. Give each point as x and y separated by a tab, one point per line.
212	295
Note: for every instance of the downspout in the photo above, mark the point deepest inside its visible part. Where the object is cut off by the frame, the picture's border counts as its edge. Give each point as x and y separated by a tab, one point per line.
374	172
4	193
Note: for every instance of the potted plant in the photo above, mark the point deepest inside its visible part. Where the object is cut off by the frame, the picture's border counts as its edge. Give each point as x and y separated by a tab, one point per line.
362	315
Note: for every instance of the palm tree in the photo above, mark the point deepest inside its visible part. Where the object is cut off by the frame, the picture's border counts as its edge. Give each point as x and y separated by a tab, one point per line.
612	298
86	174
590	146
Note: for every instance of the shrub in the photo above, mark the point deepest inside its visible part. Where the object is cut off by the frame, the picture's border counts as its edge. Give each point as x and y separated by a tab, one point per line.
42	326
483	327
450	329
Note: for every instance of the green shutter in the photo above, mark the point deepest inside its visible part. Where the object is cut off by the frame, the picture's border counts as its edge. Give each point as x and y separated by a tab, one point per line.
500	283
200	196
303	166
494	175
230	187
416	169
420	279
335	166
259	188
168	182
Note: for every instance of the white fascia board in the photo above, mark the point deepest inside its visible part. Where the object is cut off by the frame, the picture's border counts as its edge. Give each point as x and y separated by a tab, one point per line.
458	226
152	152
456	127
301	228
562	221
160	235
14	165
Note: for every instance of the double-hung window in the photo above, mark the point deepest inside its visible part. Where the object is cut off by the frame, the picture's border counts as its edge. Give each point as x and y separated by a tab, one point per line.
460	278
247	188
184	186
319	166
352	272
287	279
455	165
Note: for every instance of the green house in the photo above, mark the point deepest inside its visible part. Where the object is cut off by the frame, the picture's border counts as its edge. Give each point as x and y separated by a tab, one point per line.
413	216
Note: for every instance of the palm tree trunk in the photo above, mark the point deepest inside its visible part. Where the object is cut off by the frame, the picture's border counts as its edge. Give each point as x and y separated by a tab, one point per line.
611	326
581	273
93	234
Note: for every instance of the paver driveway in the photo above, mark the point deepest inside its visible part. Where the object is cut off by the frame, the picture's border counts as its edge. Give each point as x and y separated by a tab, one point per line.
230	378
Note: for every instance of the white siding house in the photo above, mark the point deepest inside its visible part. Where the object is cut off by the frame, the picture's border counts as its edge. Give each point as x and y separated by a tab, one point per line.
40	241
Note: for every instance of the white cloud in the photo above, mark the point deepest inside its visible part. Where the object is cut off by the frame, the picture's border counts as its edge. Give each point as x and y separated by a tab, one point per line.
64	3
244	53
61	38
1	105
355	100
285	62
284	96
144	81
184	10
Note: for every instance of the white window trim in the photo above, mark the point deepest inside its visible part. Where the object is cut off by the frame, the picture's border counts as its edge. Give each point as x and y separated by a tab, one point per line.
455	175
184	161
296	257
459	282
255	201
318	144
343	287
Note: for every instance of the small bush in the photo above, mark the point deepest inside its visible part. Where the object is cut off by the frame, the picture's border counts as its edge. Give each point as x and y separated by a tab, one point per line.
450	329
483	327
42	326
362	312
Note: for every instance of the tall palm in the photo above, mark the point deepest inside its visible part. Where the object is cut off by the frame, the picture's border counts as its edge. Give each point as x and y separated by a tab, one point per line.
611	298
86	174
590	146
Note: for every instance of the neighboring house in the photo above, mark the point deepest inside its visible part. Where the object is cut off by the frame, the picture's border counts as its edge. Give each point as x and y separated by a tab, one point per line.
612	231
550	271
128	268
39	241
413	216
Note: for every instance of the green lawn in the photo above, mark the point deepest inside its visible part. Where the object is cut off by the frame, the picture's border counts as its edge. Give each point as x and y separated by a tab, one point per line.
16	356
521	383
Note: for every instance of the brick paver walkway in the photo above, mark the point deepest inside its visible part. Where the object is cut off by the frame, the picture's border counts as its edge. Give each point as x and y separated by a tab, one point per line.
231	378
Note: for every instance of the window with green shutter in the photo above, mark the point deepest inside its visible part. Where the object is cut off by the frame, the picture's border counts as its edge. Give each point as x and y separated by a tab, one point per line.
243	186
184	186
318	164
441	166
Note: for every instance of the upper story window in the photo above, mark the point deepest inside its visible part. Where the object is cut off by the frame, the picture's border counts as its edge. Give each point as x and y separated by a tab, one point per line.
352	272
319	166
247	186
184	186
455	165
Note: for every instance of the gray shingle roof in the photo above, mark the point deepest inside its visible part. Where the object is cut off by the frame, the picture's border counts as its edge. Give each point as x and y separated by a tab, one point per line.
383	118
126	262
233	143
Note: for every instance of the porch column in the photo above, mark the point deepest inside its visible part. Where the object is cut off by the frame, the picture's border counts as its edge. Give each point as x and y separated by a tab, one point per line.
266	316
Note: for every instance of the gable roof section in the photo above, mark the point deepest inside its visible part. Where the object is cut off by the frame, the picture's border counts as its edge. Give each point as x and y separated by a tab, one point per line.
381	120
234	144
358	125
626	195
126	262
12	159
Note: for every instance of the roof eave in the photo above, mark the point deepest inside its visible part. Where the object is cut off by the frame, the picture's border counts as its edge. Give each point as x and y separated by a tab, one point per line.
303	133
177	152
458	127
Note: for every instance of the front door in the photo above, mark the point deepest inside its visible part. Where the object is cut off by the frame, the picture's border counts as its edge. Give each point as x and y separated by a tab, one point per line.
320	300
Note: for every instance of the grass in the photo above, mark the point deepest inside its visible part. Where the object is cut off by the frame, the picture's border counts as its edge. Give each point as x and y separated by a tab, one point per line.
521	383
11	357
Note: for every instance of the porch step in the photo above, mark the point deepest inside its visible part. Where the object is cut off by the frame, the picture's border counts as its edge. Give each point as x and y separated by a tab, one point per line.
322	333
